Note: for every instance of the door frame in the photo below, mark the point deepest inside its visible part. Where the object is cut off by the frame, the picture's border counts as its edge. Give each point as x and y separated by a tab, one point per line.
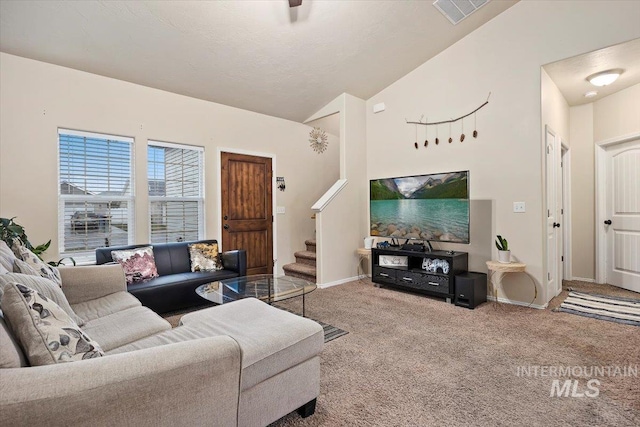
271	156
565	158
601	202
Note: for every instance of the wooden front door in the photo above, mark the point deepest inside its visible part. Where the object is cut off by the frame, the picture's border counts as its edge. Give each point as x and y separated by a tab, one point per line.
247	215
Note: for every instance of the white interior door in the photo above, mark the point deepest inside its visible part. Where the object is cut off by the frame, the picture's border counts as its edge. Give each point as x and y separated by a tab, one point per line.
552	162
622	222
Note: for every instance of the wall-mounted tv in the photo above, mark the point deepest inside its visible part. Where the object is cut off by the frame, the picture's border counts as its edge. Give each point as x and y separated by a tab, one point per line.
431	207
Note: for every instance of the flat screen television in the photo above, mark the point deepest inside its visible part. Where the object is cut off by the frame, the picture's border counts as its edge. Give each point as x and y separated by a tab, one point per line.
431	207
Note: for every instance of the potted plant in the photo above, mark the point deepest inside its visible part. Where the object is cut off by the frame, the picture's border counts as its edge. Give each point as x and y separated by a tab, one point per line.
10	231
504	254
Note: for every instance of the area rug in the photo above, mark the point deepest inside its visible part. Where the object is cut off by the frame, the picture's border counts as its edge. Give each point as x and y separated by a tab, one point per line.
613	309
331	332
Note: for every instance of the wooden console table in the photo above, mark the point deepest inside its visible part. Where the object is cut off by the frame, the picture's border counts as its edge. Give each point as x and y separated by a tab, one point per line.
499	268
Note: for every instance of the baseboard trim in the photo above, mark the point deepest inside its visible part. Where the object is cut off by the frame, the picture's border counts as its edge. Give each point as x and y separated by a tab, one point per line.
520	303
584	279
338	282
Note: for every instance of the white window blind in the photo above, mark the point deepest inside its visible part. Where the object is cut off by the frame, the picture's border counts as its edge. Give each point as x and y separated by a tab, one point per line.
176	192
95	191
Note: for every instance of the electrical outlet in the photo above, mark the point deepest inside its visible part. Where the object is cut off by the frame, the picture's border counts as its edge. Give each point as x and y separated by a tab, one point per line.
518	207
280	209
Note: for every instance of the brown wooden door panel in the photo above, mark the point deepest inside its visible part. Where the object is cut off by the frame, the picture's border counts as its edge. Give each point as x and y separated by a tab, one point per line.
247	214
255	243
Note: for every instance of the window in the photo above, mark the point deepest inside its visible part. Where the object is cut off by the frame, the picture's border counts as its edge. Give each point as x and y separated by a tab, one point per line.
95	191
176	194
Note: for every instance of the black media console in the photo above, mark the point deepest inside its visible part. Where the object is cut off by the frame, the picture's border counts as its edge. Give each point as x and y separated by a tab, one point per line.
432	273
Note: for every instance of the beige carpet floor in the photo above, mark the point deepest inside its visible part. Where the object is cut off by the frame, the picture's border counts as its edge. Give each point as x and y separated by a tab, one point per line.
411	360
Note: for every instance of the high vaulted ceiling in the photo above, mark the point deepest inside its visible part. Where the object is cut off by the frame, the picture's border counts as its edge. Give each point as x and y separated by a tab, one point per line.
257	55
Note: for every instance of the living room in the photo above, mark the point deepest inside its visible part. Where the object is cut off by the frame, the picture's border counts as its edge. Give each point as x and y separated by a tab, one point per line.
506	164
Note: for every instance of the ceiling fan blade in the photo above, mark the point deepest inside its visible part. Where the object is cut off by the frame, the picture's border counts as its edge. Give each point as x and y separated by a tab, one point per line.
295	3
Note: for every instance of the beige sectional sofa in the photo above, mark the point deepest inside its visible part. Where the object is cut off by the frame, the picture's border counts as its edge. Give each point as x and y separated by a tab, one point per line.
239	364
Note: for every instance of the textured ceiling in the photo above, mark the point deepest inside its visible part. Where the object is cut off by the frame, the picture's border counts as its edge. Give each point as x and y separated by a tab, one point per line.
570	75
256	55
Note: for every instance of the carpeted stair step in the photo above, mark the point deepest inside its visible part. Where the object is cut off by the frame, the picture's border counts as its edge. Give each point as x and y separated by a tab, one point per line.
306	257
311	245
301	271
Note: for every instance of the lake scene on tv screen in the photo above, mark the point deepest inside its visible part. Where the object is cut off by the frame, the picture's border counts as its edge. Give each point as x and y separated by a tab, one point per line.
426	207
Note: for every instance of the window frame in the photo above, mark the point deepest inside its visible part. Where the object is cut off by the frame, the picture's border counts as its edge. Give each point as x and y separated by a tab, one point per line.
200	199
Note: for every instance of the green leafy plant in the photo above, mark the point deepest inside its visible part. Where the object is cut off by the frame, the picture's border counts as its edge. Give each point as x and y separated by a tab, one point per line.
10	231
501	243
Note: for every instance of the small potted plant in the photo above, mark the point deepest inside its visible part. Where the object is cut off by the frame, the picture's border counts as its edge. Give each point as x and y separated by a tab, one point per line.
504	254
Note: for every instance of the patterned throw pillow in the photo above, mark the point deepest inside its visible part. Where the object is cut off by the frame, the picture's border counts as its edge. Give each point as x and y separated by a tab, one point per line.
204	257
46	333
44	287
138	264
44	269
7	257
22	267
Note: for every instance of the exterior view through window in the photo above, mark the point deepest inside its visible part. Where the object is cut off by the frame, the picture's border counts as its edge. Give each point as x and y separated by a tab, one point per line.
175	192
95	191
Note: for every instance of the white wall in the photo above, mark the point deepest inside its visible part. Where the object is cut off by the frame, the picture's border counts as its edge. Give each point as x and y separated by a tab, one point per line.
617	115
37	98
555	109
340	226
583	250
502	57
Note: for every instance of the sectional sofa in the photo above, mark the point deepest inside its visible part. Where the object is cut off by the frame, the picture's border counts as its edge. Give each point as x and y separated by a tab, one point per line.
245	363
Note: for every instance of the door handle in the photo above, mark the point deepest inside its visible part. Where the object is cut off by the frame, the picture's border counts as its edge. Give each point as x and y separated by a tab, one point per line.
225	217
226	226
608	222
556	224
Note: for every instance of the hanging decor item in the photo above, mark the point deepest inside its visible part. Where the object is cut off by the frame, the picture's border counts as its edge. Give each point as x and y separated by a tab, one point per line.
426	134
461	118
318	140
475	132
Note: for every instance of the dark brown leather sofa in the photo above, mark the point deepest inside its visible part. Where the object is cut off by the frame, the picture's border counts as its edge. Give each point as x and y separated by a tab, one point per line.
175	288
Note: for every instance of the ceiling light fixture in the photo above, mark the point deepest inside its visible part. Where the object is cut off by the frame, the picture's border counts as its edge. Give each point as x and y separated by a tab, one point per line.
591	94
604	78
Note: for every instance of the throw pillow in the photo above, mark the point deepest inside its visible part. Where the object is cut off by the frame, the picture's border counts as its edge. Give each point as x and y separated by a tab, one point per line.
138	264
44	269
3	270
204	257
45	287
22	267
6	256
45	332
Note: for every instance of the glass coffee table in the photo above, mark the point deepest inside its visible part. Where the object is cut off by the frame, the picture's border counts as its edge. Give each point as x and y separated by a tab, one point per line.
265	287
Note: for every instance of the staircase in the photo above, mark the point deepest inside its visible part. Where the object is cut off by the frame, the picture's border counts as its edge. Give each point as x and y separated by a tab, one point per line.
305	265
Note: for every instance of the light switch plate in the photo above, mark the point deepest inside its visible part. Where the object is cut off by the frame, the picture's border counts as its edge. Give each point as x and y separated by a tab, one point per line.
280	209
518	207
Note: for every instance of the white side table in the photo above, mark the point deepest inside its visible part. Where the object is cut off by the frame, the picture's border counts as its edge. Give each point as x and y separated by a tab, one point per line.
365	256
498	269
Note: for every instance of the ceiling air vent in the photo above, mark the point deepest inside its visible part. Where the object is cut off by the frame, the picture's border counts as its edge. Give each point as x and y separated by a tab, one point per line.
457	10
